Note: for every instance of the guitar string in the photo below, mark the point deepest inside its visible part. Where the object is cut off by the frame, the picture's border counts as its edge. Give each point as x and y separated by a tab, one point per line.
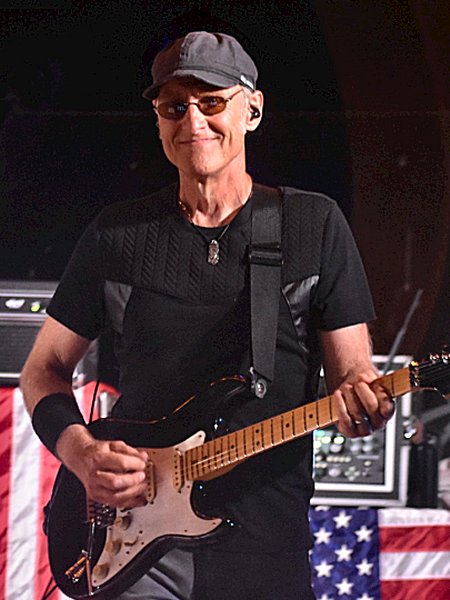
320	421
241	447
224	454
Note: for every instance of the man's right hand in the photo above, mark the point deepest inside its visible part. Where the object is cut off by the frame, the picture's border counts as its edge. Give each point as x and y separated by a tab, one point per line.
112	472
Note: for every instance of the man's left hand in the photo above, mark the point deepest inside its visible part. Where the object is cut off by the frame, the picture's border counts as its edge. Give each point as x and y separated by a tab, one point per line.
363	405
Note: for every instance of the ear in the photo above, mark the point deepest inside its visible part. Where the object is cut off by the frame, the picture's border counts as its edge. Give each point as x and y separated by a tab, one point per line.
254	112
157	128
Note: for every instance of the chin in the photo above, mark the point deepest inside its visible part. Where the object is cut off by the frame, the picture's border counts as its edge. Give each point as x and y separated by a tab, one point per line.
202	169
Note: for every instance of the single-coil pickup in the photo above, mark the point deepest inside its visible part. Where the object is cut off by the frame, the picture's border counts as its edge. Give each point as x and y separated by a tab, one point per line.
178	473
151	481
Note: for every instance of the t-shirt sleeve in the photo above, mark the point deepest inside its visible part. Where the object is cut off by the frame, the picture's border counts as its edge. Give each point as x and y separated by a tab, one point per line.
342	297
78	300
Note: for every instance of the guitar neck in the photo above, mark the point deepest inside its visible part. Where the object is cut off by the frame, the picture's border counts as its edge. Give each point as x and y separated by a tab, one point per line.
219	455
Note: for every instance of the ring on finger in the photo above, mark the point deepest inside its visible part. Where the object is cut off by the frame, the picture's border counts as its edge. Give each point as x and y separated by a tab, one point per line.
357	421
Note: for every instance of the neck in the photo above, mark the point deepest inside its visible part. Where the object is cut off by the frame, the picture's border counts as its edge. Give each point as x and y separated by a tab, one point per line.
214	202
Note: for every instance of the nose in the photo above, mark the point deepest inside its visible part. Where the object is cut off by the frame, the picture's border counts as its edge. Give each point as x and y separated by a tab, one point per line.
194	117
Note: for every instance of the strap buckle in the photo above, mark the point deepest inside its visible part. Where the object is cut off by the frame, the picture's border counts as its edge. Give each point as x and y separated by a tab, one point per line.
268	254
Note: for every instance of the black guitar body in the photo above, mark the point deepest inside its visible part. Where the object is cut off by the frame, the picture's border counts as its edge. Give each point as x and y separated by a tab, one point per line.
71	534
122	549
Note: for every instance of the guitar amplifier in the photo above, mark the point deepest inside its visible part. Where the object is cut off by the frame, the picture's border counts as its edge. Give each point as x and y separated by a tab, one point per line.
23	308
369	471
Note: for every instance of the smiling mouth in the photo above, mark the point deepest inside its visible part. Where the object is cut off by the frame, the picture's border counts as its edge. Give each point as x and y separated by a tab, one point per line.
198	140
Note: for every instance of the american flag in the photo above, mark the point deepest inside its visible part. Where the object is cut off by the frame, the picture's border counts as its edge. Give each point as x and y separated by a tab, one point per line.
384	554
27	473
359	554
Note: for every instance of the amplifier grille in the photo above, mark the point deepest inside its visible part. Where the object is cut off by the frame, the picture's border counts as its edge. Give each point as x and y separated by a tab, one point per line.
16	342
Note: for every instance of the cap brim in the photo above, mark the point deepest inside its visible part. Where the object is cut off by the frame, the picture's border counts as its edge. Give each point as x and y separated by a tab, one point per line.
215	79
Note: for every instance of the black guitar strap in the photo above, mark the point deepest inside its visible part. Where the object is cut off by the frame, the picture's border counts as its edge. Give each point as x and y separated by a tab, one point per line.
265	281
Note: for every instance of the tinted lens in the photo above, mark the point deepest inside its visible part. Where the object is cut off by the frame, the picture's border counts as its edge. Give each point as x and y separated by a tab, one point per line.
209	105
172	110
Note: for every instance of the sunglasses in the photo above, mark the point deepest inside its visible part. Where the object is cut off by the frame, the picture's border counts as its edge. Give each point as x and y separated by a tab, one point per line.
208	106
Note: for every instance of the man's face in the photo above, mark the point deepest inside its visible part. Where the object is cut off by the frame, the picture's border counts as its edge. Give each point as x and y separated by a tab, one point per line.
200	145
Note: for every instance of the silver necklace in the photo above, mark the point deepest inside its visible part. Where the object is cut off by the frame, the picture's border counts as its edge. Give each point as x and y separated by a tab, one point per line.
214	244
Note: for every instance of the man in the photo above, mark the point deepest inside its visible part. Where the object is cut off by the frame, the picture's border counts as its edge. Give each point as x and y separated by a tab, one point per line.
169	273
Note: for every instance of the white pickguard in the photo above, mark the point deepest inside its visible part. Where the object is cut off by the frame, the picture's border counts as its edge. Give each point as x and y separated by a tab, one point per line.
170	513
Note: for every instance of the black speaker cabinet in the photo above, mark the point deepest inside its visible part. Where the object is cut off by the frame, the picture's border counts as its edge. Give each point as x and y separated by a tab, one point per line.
23	306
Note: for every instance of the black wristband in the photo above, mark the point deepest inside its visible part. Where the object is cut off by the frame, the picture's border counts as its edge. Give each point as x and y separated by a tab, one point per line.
52	415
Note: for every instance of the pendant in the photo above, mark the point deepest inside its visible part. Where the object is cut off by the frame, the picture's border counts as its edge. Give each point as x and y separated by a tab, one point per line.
213	252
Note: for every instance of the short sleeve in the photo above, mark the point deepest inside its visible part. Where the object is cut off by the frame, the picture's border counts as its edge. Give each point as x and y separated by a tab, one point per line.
78	300
342	296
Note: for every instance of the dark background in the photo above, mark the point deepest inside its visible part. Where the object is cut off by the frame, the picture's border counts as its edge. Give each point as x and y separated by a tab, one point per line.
357	106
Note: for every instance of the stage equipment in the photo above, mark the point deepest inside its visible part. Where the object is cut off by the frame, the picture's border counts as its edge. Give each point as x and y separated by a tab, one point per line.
368	471
23	306
430	451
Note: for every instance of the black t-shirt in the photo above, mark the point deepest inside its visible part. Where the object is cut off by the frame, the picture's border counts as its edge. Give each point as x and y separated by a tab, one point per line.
181	323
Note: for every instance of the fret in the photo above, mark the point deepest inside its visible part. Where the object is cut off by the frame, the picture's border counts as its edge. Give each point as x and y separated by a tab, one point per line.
247	450
200	460
396	383
195	466
210	451
324	411
272	440
241	444
266	434
228	453
189	472
332	409
288	425
293	417
207	458
215	452
277	431
251	438
299	421
188	463
258	443
234	456
311	416
281	421
220	451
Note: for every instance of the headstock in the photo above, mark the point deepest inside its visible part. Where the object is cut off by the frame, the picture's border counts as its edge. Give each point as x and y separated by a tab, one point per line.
432	372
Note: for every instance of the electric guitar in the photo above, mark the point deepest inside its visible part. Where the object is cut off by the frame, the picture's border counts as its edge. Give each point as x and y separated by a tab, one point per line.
97	551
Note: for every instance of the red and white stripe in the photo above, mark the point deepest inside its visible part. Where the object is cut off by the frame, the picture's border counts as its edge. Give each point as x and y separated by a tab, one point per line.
414	554
27	473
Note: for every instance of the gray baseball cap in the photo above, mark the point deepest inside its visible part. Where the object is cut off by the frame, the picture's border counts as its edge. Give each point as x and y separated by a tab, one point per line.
215	58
